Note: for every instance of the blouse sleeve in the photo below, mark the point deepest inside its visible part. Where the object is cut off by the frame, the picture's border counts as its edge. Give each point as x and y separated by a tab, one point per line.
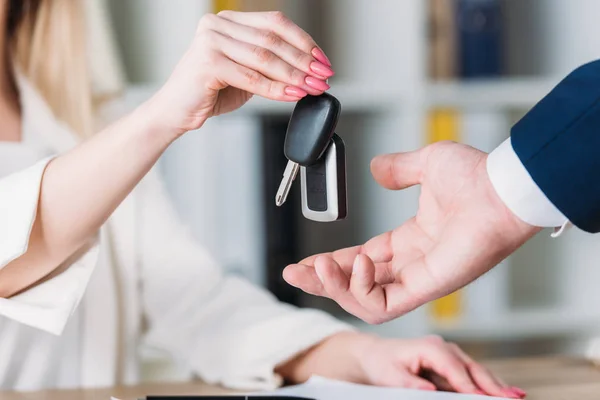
48	305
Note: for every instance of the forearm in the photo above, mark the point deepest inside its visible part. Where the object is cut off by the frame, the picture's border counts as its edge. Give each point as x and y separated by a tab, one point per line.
335	357
80	190
217	74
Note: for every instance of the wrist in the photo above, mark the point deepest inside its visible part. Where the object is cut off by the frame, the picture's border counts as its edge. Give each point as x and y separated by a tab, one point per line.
153	117
362	346
517	190
512	221
336	357
346	352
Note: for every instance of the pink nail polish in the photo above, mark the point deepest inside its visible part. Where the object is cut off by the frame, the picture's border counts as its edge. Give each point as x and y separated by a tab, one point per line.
510	392
295	91
321	69
316	83
319	55
519	391
481	392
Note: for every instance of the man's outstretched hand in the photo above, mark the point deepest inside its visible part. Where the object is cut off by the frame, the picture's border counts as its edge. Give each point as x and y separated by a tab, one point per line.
462	229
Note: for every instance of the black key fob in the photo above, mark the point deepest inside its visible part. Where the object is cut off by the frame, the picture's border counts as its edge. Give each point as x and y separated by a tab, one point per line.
311	127
324	185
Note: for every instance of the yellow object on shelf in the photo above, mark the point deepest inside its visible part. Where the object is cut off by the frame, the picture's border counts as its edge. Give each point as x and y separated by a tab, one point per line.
220	5
448	308
443	124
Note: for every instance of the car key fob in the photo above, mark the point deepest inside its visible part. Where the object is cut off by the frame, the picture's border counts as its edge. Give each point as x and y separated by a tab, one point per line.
324	197
311	127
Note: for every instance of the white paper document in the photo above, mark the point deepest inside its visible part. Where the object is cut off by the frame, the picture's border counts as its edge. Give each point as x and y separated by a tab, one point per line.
326	389
319	388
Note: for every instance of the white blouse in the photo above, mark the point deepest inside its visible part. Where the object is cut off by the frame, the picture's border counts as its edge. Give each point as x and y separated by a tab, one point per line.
144	284
60	352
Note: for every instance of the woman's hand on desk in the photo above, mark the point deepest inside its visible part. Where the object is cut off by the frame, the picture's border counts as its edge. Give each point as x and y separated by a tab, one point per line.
233	56
427	363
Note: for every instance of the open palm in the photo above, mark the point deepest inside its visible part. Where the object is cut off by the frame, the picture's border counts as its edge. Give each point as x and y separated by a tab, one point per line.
461	230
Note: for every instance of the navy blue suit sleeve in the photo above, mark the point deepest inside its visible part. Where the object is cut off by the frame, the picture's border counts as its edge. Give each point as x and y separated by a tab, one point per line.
558	142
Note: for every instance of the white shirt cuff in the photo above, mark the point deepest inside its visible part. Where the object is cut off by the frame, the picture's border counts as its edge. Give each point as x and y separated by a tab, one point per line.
49	305
519	192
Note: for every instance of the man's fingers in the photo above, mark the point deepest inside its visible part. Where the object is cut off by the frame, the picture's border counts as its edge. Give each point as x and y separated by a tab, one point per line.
379	292
379	249
413	286
305	278
344	257
337	287
364	288
399	170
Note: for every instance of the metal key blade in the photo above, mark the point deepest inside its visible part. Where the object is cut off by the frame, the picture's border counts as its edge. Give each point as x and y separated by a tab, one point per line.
290	173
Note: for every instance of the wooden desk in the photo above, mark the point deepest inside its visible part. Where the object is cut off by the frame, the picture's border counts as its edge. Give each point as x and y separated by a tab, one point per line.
542	378
551	378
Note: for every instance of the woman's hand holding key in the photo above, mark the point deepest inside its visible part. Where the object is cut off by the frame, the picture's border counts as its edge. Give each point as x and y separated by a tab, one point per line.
233	56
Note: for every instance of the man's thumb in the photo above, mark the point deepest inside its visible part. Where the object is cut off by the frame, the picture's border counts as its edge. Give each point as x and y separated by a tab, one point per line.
399	170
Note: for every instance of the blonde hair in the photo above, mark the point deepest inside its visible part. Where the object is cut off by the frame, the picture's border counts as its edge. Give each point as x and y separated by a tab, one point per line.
47	40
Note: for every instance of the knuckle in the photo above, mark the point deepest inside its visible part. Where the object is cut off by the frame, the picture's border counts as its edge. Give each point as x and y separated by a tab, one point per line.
375	319
252	77
224	13
207	21
213	57
439	146
434	339
274	88
278	17
297	77
270	39
303	59
454	347
208	36
206	41
264	55
475	368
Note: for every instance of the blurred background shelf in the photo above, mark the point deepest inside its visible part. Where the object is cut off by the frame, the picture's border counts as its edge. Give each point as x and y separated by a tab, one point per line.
497	93
522	325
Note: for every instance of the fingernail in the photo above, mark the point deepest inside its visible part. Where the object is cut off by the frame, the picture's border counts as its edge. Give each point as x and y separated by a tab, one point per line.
295	91
511	392
520	392
318	274
316	83
355	264
319	55
321	69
